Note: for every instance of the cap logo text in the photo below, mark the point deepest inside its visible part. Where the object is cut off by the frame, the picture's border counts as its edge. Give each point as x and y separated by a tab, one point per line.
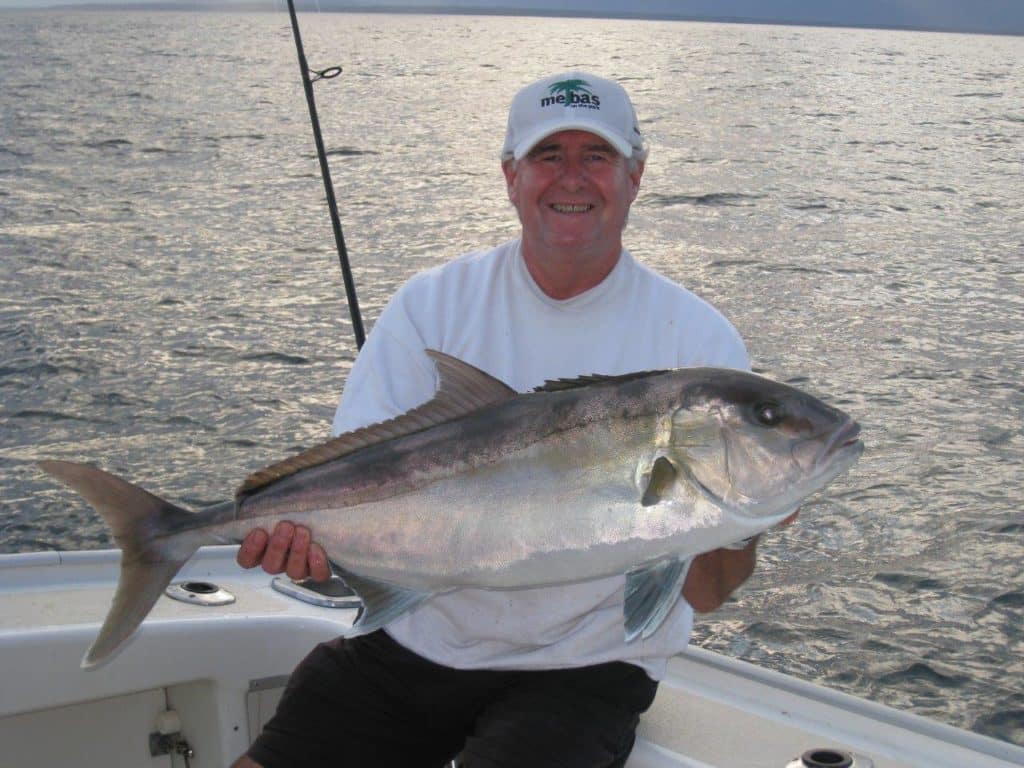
571	93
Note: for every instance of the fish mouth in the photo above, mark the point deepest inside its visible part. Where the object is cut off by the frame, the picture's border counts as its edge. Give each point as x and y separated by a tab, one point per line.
817	468
845	441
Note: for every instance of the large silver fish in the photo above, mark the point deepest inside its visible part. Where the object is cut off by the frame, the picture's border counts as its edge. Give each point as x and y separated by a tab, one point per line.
484	487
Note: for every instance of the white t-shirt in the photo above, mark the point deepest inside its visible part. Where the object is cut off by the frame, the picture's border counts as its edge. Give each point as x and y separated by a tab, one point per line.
486	309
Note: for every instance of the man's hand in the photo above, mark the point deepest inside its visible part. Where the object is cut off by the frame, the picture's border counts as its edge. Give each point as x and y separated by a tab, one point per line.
290	549
715	575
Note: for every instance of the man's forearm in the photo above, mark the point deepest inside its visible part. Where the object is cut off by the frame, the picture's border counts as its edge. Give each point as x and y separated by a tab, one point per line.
715	575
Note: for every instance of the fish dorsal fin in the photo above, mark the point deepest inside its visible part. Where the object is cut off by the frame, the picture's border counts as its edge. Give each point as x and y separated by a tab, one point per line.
558	385
463	389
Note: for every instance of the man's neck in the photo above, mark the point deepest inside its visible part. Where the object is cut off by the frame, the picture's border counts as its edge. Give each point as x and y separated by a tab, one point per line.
562	274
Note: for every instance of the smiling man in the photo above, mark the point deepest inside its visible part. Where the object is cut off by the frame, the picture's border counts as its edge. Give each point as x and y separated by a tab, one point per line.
532	677
572	191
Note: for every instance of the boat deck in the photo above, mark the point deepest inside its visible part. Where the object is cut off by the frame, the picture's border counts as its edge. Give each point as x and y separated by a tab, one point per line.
221	670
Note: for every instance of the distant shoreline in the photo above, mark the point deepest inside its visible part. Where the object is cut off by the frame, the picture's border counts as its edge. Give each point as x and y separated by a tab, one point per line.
326	6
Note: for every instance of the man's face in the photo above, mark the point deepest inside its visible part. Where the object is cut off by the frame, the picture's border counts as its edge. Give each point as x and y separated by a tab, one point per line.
573	192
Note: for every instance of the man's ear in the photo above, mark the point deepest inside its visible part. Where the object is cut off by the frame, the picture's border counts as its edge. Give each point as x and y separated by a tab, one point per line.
508	167
635	175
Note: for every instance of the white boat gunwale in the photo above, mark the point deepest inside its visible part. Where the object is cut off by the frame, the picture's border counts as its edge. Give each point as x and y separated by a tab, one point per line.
229	663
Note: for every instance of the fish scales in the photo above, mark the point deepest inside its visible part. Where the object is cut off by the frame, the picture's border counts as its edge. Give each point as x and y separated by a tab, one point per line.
410	462
387	510
483	487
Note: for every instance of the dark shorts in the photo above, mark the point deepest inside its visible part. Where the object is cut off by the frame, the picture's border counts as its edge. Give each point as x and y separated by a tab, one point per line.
369	701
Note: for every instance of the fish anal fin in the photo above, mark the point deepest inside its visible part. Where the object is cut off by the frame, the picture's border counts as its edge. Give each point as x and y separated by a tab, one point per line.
663	475
382	602
463	389
651	591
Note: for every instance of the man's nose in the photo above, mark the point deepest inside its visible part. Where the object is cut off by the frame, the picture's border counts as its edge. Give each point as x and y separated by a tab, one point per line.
574	173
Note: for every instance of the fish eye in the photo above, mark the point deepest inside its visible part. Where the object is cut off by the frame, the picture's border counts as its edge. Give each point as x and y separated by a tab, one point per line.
769	414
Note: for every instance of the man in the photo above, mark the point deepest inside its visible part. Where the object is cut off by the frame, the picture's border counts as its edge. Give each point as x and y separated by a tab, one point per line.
532	677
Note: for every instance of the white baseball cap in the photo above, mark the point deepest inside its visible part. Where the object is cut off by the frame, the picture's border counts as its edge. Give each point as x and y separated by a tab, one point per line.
571	101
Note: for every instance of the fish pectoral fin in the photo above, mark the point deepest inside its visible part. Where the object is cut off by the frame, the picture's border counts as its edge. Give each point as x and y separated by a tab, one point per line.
663	475
382	602
651	591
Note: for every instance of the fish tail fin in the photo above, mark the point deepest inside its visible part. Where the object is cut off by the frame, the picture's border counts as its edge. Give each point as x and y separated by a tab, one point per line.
156	538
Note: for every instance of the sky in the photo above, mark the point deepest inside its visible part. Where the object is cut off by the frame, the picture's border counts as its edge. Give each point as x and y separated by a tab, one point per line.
996	16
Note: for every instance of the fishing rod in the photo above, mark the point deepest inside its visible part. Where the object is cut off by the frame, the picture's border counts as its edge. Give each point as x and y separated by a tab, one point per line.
325	172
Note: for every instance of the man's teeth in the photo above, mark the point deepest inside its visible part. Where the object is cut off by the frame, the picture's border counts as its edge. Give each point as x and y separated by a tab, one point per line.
563	208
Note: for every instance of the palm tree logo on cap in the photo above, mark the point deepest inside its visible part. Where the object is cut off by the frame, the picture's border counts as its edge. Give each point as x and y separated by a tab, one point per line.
568	89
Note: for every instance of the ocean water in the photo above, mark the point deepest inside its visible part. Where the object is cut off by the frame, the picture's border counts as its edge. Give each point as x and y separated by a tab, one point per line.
171	306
